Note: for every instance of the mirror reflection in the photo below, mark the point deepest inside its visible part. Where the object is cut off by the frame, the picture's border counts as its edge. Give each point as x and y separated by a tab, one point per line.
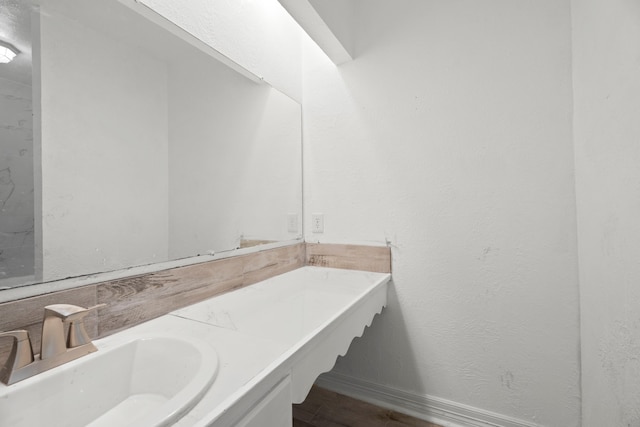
146	148
17	261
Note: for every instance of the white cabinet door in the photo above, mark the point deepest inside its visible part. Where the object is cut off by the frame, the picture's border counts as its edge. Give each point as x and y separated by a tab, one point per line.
273	410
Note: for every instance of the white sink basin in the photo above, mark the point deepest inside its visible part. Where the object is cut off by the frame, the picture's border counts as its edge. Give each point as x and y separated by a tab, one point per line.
144	382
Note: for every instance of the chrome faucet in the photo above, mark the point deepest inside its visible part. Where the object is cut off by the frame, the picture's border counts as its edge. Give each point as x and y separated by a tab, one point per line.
54	350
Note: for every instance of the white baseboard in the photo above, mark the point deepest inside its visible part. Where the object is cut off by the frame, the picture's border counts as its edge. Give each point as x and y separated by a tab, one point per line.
433	409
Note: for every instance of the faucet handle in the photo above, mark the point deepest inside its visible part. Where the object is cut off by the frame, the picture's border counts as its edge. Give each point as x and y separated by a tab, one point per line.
74	315
69	312
77	333
21	354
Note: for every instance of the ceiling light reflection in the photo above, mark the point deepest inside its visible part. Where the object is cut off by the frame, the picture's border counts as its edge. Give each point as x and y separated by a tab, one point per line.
7	52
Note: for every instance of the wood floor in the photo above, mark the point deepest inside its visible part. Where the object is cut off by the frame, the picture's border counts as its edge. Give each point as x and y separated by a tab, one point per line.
324	408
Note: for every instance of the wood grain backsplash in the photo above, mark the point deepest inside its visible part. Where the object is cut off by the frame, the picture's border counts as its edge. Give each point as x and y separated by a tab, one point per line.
136	299
349	257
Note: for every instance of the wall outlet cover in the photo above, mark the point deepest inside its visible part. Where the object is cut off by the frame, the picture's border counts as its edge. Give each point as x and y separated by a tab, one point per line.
292	223
317	223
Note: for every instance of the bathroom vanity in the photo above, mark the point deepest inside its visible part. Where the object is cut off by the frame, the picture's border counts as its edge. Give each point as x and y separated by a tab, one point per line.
240	359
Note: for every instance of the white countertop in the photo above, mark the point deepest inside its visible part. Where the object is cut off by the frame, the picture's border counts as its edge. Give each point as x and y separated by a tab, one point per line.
268	330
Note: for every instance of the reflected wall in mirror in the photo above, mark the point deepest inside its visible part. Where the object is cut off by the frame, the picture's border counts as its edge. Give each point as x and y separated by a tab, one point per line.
17	263
147	148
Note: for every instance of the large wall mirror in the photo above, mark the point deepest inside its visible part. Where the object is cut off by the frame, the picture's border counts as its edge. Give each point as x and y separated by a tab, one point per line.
125	142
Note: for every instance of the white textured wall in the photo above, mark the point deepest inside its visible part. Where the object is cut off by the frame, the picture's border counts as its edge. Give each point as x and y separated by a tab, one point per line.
104	152
450	135
269	176
207	143
607	150
234	159
257	34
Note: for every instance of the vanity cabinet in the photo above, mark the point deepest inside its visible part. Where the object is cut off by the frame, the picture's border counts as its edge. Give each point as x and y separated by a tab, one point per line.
273	410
